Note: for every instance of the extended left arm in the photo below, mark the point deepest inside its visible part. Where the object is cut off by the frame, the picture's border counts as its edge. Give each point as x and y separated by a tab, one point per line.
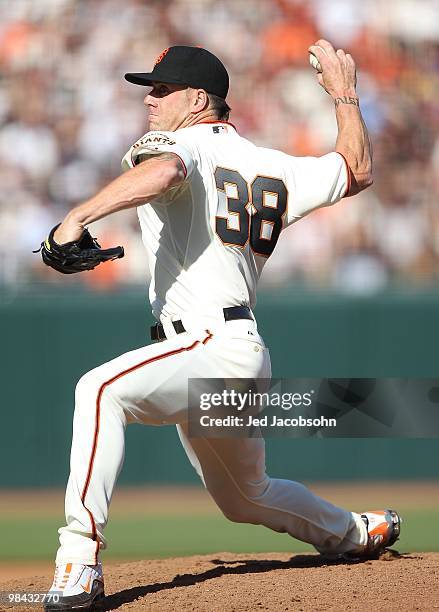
141	184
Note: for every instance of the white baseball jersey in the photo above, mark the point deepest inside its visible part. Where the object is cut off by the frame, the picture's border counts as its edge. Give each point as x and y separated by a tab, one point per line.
209	238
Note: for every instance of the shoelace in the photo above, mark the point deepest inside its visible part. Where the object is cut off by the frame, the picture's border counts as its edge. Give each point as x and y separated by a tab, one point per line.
61	578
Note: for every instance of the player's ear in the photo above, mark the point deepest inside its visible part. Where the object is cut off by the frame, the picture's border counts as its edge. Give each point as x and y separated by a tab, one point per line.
200	100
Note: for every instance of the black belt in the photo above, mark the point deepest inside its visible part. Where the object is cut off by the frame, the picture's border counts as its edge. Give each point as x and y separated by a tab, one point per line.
232	313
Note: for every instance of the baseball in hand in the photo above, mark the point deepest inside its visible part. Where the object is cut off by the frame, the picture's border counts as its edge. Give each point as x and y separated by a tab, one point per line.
314	61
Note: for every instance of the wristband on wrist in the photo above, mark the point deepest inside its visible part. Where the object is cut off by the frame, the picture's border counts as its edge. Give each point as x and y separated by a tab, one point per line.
346	100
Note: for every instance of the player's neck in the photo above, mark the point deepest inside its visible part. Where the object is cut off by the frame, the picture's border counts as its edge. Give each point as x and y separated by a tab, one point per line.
202	117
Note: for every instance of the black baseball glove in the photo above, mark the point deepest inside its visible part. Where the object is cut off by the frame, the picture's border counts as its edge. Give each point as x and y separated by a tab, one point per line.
76	256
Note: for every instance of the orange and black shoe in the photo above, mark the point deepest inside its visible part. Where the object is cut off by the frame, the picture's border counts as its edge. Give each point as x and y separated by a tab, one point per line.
76	587
383	527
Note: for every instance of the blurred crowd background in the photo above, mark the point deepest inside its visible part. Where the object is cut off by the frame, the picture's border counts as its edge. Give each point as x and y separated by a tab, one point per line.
67	117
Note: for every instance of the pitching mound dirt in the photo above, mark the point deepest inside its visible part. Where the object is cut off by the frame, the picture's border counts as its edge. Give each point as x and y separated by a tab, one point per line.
275	582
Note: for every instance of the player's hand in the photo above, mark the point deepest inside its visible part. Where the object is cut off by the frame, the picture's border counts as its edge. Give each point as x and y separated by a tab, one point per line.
338	77
69	231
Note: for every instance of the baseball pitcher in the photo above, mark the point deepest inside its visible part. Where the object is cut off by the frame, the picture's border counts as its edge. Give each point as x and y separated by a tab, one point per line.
211	207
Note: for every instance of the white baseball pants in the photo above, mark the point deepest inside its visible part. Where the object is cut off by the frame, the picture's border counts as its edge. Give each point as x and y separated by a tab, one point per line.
149	385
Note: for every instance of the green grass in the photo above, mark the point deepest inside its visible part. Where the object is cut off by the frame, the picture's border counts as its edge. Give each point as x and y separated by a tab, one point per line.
154	536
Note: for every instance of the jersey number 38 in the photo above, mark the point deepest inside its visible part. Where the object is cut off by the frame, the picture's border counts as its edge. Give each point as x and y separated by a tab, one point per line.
249	213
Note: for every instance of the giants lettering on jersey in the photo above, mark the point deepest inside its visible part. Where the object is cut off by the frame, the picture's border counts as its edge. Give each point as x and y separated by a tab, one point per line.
154	143
153	139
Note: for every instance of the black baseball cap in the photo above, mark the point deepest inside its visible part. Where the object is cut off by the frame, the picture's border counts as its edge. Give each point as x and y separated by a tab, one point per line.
192	66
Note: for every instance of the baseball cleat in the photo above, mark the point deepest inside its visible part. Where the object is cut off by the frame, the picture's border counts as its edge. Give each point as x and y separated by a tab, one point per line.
383	527
76	587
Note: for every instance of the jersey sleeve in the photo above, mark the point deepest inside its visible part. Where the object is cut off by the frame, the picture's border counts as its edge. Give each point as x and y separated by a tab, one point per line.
314	182
155	143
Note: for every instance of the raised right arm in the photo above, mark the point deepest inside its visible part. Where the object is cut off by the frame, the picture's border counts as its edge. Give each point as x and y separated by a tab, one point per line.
338	78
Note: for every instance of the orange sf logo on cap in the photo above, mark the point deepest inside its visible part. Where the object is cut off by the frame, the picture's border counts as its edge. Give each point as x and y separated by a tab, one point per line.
161	56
